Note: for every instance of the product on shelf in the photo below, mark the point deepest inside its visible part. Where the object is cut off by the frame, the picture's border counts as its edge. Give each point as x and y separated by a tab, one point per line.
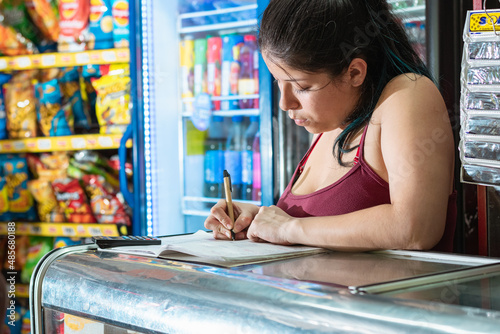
247	155
232	155
101	25
48	207
21	205
71	93
214	61
38	247
200	66
256	184
13	43
113	102
89	94
230	69
88	162
121	23
16	16
214	159
44	14
53	118
74	25
247	80
4	78
187	71
20	109
73	201
106	206
4	197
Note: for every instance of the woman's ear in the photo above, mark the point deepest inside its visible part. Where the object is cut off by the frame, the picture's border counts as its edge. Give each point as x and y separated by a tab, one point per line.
357	72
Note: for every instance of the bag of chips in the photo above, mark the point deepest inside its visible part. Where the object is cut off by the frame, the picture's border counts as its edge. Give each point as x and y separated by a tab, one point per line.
45	18
38	247
106	206
74	25
21	205
73	201
21	110
101	25
71	93
113	103
16	16
48	207
52	117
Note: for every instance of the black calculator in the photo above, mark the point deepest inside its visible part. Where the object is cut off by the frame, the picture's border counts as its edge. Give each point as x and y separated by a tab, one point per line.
126	240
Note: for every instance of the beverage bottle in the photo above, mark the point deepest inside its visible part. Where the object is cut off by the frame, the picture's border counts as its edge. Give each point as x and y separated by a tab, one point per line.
200	66
214	159
247	158
247	81
187	70
214	68
232	155
230	70
256	185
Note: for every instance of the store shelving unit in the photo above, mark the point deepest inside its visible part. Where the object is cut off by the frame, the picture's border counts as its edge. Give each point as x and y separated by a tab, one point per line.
44	229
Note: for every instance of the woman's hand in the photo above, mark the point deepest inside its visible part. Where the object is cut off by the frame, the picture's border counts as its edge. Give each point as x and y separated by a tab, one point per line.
219	222
271	224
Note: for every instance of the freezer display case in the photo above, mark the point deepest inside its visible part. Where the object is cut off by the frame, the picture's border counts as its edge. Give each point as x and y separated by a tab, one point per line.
96	291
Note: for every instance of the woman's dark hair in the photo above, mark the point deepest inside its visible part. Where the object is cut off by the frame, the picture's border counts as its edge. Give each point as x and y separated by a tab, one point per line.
326	35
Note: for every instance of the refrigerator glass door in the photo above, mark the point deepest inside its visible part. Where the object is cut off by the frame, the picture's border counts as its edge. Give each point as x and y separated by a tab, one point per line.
412	14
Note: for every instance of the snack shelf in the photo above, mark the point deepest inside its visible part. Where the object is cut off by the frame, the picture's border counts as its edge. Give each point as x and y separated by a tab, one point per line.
64	229
50	60
62	143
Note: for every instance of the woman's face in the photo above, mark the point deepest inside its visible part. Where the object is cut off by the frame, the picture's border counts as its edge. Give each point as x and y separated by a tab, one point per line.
314	100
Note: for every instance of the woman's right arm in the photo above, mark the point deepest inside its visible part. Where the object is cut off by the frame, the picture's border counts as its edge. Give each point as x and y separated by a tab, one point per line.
219	222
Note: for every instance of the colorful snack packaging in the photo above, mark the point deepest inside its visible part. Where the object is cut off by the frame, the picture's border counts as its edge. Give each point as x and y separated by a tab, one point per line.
20	109
73	201
70	87
89	94
44	17
13	43
4	200
55	160
48	207
121	23
16	16
4	78
38	247
52	118
106	206
73	24
66	241
90	168
21	206
101	25
113	103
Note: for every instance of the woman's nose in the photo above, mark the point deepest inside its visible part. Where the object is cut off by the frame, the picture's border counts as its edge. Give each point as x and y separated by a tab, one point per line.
288	101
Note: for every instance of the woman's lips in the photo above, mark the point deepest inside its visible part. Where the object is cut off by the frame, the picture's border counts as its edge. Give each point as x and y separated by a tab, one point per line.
299	121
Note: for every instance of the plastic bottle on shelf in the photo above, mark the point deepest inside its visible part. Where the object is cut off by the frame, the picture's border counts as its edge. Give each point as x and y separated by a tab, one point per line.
247	158
256	185
214	159
230	69
187	70
247	81
200	66
214	68
232	155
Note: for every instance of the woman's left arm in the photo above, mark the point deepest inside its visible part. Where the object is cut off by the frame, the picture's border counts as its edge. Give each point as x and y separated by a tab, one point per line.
417	147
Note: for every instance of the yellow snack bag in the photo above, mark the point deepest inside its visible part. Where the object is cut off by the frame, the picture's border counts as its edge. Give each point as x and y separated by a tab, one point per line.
21	110
113	103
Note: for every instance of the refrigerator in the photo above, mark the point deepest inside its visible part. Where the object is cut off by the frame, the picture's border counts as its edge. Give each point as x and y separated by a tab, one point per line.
203	104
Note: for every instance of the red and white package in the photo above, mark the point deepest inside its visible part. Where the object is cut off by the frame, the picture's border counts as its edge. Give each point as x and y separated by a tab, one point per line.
74	25
106	206
73	201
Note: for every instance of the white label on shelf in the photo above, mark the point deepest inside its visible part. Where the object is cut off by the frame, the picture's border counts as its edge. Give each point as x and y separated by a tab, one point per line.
105	141
44	144
95	231
35	229
78	143
69	231
19	145
3	64
48	60
23	62
108	55
82	58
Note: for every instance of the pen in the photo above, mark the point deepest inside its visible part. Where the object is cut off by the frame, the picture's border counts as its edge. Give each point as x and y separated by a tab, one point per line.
229	201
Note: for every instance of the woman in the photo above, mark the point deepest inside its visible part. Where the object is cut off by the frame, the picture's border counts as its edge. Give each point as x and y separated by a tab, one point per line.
379	174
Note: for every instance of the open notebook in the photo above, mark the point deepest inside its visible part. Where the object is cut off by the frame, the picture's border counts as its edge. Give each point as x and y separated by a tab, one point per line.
201	247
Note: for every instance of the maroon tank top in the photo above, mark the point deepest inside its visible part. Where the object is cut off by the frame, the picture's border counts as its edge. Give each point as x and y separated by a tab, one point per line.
359	189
